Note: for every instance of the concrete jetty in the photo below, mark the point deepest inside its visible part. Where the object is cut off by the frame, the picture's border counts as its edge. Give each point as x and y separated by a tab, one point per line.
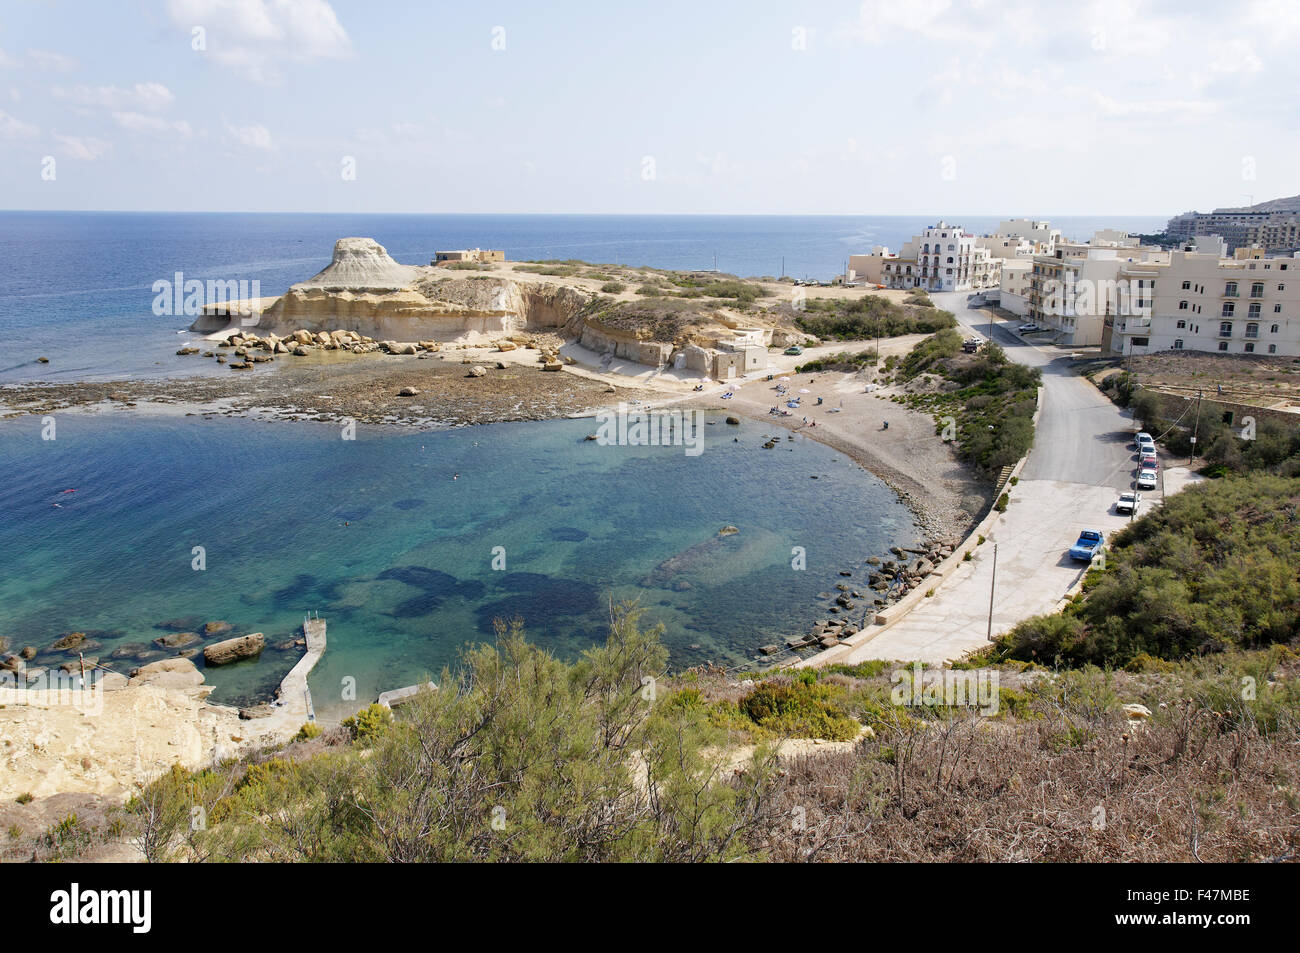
293	706
396	697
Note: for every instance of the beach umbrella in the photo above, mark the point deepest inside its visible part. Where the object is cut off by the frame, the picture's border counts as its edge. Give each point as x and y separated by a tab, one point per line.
783	378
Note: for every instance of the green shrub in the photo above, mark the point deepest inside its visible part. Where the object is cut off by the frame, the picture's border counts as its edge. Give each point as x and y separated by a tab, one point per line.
369	723
805	709
613	287
308	731
1211	569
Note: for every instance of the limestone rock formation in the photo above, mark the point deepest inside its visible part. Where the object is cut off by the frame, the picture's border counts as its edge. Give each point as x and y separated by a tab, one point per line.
232	650
361	264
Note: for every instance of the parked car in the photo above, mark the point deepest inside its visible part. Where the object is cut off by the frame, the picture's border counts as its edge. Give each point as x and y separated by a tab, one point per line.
970	345
1147	478
794	349
1148	460
1089	544
1128	502
1143	437
1026	328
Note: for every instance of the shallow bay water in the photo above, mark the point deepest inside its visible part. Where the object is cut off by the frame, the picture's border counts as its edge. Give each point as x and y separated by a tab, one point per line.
392	536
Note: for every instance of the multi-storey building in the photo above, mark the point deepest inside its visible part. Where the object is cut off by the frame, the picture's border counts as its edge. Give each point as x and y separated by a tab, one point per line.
1013	288
1273	225
942	258
1242	305
1075	288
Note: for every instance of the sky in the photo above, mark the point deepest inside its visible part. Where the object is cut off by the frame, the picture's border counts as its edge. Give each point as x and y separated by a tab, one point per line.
959	107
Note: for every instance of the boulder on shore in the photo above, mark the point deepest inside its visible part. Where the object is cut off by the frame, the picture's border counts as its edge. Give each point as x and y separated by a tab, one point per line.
168	673
232	650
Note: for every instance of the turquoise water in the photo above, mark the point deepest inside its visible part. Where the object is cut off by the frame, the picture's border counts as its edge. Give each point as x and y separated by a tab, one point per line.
390	537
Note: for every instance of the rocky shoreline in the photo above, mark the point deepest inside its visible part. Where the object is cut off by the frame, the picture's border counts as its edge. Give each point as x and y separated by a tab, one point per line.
408	385
852	609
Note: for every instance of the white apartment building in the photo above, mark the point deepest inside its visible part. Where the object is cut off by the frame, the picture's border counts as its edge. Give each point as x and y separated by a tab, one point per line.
947	258
1077	287
1202	302
942	258
1013	286
1039	233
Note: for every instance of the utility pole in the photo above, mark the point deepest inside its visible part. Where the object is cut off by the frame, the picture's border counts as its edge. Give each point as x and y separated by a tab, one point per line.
992	586
1196	431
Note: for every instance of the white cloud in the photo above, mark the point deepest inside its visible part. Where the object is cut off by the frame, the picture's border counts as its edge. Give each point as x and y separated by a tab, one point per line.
141	122
253	37
255	136
1167	107
55	62
151	97
14	128
88	148
7	61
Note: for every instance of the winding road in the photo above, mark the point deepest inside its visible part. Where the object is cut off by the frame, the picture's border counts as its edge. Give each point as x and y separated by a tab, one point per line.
1082	458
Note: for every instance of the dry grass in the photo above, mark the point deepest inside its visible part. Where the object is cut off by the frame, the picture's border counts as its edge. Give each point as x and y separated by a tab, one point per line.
1066	780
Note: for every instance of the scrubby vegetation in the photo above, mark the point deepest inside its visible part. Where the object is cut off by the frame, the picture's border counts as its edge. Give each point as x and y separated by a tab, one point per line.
859	319
525	757
841	361
1269	446
989	400
1214	568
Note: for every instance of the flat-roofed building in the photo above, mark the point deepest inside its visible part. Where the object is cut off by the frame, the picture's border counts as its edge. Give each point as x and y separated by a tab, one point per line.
1200	302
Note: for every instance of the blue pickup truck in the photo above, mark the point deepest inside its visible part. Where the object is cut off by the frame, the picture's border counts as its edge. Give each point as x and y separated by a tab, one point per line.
1088	546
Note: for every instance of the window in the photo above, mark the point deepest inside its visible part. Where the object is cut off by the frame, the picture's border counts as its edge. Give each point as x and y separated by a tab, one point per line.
1250	347
1281	286
1277	309
1186	285
1225	329
1228	309
1272	349
1257	289
1223	345
1252	330
1182	306
1253	312
1181	325
1273	329
1141	342
1178	344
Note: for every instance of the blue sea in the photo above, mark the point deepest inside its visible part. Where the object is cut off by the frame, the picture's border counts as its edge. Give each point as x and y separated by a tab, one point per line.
99	526
392	539
76	287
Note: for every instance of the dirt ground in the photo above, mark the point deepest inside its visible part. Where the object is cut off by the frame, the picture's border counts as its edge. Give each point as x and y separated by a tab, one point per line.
1262	381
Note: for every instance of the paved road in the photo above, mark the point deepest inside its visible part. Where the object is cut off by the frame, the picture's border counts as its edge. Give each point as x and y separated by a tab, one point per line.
1082	437
1081	459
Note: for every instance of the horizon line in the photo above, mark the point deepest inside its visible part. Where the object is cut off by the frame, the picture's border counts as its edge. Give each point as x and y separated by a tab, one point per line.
946	215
